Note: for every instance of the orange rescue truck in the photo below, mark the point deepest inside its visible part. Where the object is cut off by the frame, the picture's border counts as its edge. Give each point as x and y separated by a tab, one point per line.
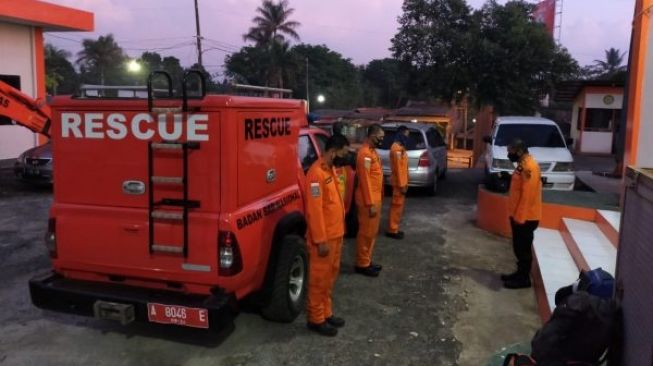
172	210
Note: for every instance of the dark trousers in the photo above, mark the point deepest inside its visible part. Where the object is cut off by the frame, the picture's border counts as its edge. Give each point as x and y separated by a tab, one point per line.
522	245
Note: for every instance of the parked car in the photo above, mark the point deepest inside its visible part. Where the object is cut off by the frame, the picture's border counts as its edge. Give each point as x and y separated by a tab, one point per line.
427	155
35	164
545	143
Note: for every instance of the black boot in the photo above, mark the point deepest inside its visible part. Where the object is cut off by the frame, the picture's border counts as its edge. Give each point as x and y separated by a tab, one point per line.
323	329
376	267
334	321
398	235
518	282
367	271
509	276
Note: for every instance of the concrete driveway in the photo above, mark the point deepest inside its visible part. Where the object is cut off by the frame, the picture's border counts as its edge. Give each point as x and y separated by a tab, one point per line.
438	300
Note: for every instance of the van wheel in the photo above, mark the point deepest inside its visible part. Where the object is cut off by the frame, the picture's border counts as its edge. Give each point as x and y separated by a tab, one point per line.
290	279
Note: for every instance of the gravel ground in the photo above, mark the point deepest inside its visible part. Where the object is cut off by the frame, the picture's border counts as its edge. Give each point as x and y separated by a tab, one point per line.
437	302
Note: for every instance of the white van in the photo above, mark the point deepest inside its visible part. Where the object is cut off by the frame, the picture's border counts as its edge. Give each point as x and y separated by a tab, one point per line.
545	143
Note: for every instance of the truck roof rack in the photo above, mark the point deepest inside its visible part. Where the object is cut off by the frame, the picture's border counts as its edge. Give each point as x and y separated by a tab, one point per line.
260	91
116	91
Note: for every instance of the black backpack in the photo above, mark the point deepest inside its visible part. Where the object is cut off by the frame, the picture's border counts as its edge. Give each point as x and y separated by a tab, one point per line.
579	331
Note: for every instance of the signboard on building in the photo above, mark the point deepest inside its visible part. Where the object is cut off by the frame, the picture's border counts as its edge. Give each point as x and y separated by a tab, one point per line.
545	12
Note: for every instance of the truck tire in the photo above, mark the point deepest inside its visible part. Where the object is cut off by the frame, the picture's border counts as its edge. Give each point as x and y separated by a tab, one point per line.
289	285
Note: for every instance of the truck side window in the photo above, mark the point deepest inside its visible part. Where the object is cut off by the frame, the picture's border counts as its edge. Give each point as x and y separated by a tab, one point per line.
321	142
306	152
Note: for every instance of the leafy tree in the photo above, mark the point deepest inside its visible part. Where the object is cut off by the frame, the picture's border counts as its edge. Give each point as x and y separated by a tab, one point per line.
433	38
386	81
101	60
272	24
248	66
60	74
513	59
337	78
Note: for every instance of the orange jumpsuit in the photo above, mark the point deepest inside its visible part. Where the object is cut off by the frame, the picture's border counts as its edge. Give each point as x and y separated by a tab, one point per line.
525	210
525	199
369	192
325	215
399	180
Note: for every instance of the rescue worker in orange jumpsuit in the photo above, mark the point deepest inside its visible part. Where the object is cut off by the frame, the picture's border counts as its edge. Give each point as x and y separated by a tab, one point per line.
525	210
369	197
325	214
399	182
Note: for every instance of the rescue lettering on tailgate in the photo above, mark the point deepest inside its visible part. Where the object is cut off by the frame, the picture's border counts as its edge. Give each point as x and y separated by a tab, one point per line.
261	128
143	126
269	209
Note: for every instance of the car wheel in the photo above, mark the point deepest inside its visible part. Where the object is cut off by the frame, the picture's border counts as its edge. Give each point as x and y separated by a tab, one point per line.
432	190
290	282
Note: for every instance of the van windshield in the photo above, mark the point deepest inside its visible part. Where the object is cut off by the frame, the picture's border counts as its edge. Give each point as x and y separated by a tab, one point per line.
533	135
416	139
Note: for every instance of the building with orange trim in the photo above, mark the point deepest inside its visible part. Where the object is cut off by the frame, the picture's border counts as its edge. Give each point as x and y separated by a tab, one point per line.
596	114
22	63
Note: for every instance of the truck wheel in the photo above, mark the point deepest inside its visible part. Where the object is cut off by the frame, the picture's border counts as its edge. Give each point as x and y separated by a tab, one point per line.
288	294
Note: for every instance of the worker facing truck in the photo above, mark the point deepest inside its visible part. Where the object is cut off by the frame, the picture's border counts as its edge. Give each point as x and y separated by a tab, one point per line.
325	214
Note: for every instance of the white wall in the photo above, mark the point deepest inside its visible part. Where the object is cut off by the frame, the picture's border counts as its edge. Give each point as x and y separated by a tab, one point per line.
596	142
597	101
17	58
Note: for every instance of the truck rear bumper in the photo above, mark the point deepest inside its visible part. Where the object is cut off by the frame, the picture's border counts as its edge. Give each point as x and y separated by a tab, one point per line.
52	291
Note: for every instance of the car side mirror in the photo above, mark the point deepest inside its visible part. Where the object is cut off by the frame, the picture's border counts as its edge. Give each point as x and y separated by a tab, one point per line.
569	141
487	139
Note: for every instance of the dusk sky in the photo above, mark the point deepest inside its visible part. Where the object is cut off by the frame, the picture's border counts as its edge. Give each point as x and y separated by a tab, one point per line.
358	29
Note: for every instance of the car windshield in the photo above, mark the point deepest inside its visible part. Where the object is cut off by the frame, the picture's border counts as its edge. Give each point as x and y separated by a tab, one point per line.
533	135
416	140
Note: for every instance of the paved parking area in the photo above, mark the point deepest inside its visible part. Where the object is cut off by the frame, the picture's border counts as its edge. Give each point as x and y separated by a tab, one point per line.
438	300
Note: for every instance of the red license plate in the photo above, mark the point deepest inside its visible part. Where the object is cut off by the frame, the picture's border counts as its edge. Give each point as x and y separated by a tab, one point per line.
178	315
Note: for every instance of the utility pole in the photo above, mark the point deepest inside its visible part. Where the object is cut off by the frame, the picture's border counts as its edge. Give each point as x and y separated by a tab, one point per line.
199	36
308	99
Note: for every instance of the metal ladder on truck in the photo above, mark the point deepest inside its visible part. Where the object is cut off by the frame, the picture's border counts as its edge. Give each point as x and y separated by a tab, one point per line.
170	209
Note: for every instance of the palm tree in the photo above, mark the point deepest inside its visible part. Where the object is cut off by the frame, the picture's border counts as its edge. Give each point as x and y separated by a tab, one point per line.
612	63
272	24
271	29
99	57
54	75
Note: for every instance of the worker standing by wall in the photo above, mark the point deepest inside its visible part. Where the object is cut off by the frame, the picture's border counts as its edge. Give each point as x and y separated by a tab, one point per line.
525	209
369	197
325	214
399	182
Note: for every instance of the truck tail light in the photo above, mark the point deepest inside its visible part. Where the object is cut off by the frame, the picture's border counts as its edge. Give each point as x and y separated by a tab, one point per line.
229	260
424	160
51	238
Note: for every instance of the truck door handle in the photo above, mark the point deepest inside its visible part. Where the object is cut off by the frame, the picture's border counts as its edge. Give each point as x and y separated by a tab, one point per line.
132	228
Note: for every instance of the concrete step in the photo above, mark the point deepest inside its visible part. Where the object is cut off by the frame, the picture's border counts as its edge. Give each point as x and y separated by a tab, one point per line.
588	245
555	267
609	222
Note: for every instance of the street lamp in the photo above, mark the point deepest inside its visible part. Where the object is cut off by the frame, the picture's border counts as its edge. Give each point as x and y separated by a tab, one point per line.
321	98
134	66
